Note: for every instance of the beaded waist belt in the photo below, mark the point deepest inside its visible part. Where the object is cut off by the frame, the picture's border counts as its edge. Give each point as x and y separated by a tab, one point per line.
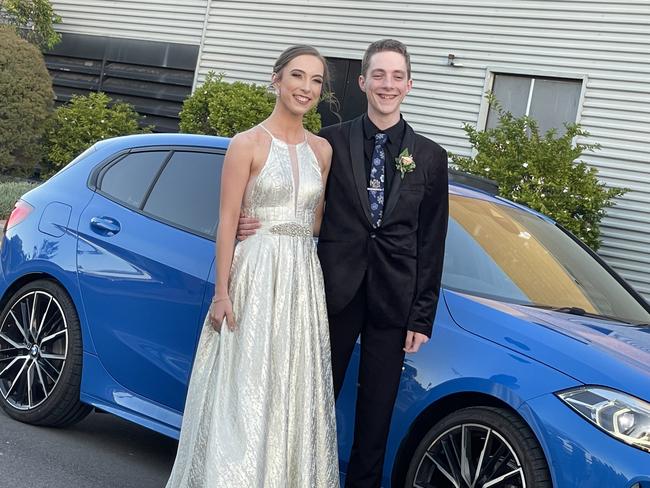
292	229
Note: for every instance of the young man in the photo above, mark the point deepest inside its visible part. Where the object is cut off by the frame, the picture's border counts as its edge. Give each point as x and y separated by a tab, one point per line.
381	248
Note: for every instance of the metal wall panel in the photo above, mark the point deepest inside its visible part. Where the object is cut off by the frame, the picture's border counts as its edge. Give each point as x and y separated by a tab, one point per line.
606	43
154	77
178	21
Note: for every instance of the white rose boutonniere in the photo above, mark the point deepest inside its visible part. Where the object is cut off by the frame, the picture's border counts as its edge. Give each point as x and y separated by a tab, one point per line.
404	162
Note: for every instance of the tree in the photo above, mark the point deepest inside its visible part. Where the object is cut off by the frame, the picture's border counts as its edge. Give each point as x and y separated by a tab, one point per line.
33	20
224	109
543	172
26	101
84	121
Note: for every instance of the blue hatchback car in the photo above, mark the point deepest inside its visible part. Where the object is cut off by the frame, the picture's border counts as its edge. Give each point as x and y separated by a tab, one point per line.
537	374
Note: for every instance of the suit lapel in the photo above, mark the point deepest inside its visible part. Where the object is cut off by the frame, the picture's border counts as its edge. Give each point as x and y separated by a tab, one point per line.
357	159
393	195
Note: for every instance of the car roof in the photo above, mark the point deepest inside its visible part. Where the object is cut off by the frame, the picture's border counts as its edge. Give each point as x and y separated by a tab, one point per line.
460	184
163	139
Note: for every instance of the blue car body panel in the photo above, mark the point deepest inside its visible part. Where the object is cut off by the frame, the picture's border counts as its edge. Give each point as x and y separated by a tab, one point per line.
138	266
594	351
99	388
438	372
142	295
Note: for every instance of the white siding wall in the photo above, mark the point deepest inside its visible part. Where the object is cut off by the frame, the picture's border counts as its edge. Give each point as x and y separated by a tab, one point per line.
608	42
179	21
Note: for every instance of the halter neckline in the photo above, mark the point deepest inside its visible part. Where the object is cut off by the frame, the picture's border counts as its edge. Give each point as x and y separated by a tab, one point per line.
282	141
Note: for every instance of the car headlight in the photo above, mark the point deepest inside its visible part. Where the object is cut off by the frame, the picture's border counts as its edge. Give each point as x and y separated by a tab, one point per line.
623	416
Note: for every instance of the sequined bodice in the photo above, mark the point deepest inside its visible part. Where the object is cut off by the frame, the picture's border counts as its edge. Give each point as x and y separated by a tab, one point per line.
287	189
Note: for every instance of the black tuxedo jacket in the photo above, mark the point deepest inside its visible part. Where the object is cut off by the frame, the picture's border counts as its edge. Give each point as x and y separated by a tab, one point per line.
402	259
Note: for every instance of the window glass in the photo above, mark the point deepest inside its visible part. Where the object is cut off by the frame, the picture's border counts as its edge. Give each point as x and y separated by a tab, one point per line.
187	192
552	102
129	179
512	92
555	102
497	251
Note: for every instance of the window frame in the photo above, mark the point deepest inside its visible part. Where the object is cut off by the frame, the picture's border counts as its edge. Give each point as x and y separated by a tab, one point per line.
94	180
490	77
97	175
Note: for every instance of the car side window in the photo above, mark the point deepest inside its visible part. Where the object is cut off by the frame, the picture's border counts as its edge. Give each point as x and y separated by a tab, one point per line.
129	179
187	192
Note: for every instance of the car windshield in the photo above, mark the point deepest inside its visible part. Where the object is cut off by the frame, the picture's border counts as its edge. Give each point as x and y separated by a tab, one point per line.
498	251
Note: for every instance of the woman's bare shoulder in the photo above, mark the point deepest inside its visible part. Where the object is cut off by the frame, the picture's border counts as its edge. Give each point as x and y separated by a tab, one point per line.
321	147
249	137
249	144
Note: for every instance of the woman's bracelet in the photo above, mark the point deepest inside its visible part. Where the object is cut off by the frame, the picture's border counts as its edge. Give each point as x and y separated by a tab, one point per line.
215	300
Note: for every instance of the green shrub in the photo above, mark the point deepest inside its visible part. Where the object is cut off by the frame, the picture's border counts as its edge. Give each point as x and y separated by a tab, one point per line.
10	192
26	102
221	108
32	19
541	171
84	121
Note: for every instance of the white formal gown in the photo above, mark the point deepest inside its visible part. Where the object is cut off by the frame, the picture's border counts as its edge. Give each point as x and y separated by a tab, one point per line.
260	404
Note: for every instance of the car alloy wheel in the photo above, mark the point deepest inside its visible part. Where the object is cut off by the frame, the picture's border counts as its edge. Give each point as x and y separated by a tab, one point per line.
41	356
479	447
33	349
471	455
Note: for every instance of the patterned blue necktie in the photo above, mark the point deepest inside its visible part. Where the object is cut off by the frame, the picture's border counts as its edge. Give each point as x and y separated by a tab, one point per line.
376	187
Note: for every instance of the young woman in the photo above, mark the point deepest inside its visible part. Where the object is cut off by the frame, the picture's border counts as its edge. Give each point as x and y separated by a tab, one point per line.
260	405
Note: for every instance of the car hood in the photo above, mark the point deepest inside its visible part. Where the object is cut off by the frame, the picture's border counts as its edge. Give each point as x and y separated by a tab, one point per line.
591	350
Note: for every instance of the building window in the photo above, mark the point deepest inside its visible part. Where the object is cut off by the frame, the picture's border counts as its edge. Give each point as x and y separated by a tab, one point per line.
552	102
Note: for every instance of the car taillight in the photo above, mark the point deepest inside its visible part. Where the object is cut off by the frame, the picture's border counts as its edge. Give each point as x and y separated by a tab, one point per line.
21	211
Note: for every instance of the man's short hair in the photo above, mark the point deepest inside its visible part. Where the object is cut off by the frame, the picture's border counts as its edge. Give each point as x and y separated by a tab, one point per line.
385	45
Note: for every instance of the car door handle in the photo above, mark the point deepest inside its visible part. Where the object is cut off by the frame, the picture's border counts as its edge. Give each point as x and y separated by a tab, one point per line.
105	225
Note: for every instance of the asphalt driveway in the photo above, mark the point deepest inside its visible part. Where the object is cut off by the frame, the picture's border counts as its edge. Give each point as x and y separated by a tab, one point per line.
102	451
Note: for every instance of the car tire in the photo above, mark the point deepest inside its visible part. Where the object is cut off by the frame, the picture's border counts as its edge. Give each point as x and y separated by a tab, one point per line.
41	356
496	442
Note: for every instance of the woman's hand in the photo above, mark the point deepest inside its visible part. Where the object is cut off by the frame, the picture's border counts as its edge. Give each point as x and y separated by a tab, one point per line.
219	308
